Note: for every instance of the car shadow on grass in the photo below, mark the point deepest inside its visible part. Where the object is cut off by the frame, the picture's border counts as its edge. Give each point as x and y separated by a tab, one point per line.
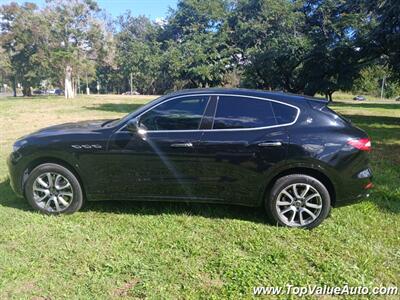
360	119
365	105
383	131
9	199
386	200
115	107
257	215
384	149
211	211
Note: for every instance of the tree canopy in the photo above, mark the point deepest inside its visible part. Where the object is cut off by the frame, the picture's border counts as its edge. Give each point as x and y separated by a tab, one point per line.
301	46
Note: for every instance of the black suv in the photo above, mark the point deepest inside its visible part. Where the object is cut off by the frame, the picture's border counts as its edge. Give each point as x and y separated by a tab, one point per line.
288	153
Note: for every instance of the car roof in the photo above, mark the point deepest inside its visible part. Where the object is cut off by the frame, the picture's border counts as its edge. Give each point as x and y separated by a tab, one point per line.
273	95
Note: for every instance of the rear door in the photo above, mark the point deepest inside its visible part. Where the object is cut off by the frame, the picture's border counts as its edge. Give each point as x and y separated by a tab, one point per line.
244	141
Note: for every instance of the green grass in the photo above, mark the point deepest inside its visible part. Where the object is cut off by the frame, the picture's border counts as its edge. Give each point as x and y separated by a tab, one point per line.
343	96
169	250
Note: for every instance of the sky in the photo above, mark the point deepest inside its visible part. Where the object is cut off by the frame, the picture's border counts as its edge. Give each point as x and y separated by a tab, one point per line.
154	9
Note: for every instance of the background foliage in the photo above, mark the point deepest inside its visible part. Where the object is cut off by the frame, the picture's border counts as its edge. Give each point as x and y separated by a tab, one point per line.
301	46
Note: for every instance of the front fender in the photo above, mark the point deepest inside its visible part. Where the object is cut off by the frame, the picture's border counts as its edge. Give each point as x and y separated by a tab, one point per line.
21	166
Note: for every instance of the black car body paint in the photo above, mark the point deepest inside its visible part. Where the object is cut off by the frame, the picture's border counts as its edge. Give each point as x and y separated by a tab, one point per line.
235	165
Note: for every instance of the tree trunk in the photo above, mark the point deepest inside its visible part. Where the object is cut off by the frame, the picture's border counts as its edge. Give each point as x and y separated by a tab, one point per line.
26	91
69	92
328	96
14	87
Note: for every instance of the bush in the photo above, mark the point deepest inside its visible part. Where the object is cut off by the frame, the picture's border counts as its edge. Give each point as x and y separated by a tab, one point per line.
370	82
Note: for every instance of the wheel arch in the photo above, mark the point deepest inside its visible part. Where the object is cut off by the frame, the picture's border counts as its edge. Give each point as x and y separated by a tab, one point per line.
51	160
316	173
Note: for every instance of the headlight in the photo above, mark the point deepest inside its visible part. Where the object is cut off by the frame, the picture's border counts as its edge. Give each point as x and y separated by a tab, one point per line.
18	144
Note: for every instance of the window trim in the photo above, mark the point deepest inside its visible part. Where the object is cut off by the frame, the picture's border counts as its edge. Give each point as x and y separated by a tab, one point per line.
209	113
217	130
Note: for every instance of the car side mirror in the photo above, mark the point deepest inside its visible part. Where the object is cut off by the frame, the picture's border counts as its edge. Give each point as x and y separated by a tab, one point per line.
133	126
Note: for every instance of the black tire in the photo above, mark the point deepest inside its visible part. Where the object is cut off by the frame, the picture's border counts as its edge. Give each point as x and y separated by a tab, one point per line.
77	199
287	182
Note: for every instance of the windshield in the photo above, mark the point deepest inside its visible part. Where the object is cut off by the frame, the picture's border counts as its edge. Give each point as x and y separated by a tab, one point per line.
134	113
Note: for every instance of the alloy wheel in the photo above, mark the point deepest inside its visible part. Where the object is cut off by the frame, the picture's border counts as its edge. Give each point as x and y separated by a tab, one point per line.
299	204
52	192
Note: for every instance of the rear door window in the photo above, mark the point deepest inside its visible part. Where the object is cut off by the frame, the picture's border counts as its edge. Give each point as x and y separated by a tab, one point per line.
243	112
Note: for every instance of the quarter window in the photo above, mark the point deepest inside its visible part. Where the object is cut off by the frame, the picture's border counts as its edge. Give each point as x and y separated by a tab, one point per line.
177	114
241	112
284	114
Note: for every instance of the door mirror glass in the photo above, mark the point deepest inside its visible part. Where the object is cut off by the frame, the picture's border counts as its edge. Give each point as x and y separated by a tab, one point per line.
134	126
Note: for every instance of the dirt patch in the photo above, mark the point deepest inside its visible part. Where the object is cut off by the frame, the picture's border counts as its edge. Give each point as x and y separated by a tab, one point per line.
26	287
124	290
23	288
209	282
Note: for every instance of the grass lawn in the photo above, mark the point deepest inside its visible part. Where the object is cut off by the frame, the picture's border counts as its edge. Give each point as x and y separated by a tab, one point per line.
164	250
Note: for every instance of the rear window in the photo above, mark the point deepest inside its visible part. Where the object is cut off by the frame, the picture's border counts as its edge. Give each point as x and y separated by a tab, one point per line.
322	106
241	112
335	114
284	114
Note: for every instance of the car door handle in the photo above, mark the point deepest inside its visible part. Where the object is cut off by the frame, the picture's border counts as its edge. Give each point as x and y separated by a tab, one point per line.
182	145
270	144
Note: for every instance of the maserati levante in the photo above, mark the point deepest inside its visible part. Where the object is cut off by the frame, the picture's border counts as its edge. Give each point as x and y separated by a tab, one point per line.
290	154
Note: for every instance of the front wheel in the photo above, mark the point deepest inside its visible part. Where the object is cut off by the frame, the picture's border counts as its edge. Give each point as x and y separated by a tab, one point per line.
298	201
53	189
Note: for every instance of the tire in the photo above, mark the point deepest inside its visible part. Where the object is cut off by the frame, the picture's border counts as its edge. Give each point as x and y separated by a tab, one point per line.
306	209
57	193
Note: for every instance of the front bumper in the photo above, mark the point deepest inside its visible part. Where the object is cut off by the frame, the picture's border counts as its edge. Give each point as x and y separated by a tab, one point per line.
16	174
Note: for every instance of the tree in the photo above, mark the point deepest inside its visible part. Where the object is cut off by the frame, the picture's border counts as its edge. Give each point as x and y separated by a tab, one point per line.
301	46
5	68
138	54
78	40
195	41
388	32
270	42
200	61
23	36
373	77
312	46
337	31
384	37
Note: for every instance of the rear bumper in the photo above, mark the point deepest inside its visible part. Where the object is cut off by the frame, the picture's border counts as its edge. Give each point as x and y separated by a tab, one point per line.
354	199
355	189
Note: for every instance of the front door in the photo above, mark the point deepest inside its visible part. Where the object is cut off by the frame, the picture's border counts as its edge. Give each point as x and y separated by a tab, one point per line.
159	160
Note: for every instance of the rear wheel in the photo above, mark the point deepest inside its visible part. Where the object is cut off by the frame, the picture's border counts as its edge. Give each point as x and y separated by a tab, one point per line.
298	201
53	189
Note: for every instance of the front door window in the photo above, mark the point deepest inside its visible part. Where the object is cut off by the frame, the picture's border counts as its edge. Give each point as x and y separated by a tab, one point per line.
176	114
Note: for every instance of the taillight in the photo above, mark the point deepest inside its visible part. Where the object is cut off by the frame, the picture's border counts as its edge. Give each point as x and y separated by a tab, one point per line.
361	144
369	186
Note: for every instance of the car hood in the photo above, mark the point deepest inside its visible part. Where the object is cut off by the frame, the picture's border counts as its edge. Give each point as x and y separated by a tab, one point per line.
73	127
